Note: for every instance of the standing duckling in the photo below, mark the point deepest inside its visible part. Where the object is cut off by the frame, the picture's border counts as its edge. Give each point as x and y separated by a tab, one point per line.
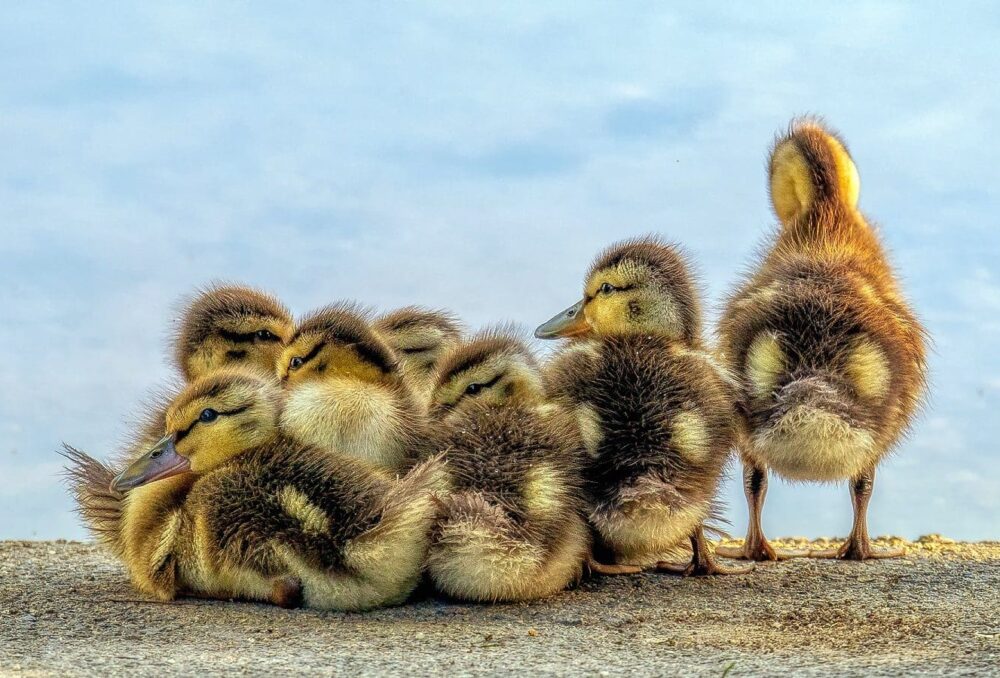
655	409
419	337
347	393
831	353
222	326
225	506
512	527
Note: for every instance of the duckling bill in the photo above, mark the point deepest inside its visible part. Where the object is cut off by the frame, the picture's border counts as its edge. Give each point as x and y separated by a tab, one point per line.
222	326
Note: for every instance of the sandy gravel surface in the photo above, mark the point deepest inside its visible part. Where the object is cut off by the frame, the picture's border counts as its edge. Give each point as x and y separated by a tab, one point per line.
66	608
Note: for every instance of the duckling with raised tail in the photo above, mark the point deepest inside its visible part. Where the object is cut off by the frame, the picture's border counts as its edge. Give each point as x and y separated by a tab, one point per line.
419	337
655	409
347	392
512	526
832	356
225	506
223	325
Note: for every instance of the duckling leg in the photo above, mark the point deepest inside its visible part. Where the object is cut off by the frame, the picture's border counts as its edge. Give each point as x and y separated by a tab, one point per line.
756	546
702	563
858	546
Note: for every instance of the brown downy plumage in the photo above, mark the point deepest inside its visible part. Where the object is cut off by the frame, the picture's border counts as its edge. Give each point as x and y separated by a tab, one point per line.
346	391
419	337
224	506
655	409
512	527
831	355
223	325
228	325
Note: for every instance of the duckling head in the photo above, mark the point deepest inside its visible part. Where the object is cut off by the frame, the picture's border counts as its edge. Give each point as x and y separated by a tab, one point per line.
338	342
419	336
214	419
495	367
231	325
640	286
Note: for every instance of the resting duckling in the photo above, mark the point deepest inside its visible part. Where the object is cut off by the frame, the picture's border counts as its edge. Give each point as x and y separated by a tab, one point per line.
347	393
223	325
419	337
228	325
832	355
225	506
655	409
512	526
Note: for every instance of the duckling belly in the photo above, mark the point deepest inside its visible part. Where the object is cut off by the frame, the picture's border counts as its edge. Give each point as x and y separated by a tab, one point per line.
809	443
478	553
643	527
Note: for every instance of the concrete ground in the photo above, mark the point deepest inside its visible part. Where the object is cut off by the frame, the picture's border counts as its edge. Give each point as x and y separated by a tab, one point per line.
67	609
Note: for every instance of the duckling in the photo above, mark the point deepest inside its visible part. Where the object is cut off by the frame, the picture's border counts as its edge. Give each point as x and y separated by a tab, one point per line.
512	527
832	356
225	506
347	393
231	325
419	337
223	325
655	408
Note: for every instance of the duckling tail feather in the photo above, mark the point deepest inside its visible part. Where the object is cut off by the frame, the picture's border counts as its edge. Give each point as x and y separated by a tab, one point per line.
98	505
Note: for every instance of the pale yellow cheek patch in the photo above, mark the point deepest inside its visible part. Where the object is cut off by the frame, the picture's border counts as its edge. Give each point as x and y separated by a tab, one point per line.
868	369
791	182
690	436
607	314
765	364
296	504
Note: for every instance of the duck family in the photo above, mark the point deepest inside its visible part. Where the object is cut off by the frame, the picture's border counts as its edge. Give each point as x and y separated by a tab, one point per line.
343	459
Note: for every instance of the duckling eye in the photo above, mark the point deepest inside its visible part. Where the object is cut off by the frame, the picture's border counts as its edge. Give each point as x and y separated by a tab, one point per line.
265	335
473	389
295	363
208	415
606	288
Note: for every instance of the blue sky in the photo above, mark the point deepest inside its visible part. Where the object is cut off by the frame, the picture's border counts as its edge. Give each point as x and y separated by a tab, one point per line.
474	158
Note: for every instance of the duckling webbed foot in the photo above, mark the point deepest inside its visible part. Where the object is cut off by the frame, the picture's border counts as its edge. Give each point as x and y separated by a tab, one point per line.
756	547
859	546
286	592
703	563
607	569
854	549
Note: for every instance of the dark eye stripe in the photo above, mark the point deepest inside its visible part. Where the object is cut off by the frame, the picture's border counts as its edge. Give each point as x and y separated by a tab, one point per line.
180	435
487	384
418	349
237	337
245	337
313	353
